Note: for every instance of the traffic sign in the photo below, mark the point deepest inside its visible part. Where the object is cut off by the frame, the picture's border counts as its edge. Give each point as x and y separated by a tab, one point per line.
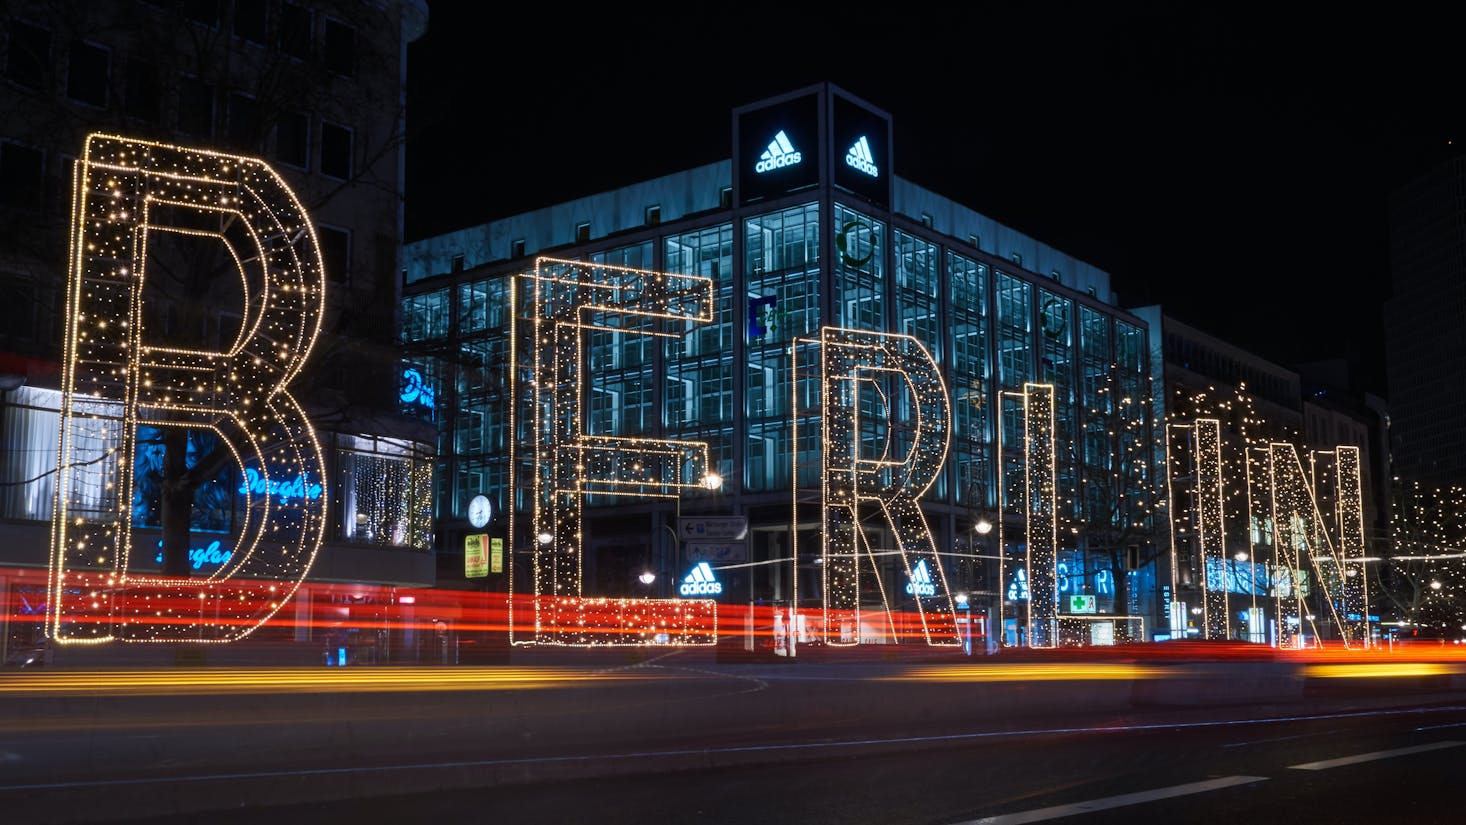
715	551
712	528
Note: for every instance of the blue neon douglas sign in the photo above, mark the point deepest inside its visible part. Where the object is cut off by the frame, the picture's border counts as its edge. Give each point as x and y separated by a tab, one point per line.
415	389
213	555
286	489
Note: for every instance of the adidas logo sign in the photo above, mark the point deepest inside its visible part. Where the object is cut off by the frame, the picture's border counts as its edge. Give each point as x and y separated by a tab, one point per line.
700	581
779	154
921	581
859	157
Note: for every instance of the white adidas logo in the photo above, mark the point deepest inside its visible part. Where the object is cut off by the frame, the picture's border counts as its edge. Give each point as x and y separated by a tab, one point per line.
921	581
700	581
779	154
859	157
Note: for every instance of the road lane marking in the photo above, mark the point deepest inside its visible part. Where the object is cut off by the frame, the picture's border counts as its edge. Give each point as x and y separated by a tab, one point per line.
1370	757
1041	814
1285	738
1438	727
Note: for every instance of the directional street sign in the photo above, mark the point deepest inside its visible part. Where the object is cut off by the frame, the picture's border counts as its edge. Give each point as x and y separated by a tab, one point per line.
712	528
715	551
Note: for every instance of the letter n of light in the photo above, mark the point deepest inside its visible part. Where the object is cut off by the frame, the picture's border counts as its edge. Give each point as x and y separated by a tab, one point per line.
570	300
1302	535
116	380
860	368
1349	501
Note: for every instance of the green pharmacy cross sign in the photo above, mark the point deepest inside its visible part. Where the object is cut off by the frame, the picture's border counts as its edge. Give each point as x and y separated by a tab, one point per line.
1082	604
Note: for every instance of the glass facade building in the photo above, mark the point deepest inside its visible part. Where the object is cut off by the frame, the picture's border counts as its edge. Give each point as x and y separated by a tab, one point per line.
787	257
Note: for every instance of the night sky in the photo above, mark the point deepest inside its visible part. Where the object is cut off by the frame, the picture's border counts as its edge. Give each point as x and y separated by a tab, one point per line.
1231	164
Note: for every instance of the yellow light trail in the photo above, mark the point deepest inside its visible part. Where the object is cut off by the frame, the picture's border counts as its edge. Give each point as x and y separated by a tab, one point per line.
1056	672
1382	670
259	680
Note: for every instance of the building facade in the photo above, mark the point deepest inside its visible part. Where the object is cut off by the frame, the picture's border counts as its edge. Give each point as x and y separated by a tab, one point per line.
804	228
314	89
1425	351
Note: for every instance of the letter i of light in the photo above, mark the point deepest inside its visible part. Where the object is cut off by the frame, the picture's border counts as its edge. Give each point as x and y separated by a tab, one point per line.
115	381
569	301
882	464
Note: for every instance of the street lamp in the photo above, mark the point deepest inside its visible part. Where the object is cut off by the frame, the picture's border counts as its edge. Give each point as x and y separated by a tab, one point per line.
983	528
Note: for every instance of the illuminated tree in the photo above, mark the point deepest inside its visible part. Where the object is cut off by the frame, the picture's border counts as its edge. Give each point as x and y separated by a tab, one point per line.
1422	576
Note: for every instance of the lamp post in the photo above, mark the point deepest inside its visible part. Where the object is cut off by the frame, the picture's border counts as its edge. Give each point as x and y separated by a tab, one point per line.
983	528
711	482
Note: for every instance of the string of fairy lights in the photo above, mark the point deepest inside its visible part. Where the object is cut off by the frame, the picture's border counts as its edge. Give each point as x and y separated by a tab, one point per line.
115	380
569	300
1039	610
1261	481
1302	513
862	370
1424	580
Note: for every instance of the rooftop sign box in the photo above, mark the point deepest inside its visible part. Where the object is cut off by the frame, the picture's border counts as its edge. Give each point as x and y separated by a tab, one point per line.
791	143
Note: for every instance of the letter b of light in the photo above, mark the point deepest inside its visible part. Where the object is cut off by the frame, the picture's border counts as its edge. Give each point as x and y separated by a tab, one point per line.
115	380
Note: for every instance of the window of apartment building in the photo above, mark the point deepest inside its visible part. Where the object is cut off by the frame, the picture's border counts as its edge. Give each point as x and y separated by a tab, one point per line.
338	48
335	151
29	55
195	107
20	175
335	252
582	232
17	309
244	121
295	31
516	248
292	139
86	73
60	184
202	11
142	97
251	20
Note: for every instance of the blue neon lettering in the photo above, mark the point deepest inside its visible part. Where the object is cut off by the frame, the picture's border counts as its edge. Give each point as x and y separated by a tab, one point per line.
298	487
415	389
212	555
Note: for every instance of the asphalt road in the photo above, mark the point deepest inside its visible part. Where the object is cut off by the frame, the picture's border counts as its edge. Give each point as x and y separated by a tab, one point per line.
669	743
1393	766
